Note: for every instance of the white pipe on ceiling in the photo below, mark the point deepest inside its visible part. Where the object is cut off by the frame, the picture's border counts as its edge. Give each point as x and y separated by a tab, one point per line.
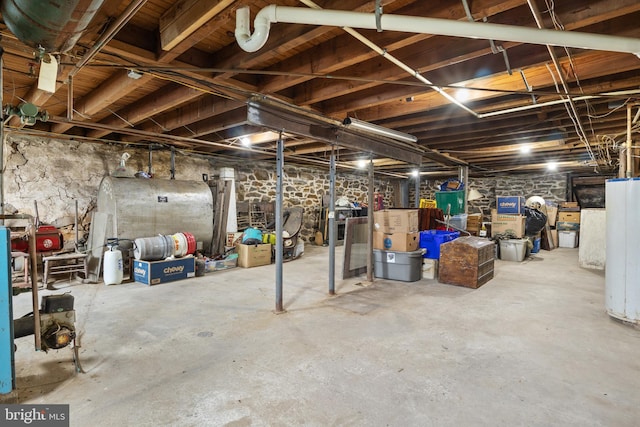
421	25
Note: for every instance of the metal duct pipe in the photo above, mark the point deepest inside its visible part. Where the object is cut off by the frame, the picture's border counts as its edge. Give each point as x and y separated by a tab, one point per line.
421	25
54	26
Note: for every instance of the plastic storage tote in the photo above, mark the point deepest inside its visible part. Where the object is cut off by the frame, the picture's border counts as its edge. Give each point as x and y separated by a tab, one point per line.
513	249
432	239
403	266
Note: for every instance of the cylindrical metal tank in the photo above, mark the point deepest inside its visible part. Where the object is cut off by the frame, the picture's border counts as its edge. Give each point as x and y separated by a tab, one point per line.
622	287
54	25
148	207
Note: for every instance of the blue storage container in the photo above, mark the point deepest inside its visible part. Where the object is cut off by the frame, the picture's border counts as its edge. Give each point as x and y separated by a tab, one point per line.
432	239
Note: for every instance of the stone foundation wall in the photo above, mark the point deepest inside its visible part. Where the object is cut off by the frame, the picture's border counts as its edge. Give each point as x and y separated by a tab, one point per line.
551	187
302	186
56	173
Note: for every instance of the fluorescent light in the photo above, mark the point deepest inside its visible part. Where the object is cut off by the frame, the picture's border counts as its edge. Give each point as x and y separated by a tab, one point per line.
462	94
378	130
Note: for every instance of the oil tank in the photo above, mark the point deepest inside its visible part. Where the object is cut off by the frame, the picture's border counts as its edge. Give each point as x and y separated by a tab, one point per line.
148	207
54	25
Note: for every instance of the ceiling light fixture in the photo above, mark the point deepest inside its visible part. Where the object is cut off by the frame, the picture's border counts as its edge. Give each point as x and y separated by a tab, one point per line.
415	173
133	74
378	130
362	163
552	166
525	149
246	142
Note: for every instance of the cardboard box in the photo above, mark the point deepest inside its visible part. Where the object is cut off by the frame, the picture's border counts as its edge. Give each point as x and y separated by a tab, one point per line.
569	205
400	242
232	237
474	222
253	255
155	272
396	220
569	217
429	268
507	224
510	205
567	226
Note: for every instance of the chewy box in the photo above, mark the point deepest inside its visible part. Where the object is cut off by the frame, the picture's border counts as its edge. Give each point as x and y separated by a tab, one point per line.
155	272
432	239
510	205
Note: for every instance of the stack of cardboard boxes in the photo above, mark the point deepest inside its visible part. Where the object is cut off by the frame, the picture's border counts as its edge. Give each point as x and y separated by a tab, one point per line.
396	230
395	242
508	218
568	224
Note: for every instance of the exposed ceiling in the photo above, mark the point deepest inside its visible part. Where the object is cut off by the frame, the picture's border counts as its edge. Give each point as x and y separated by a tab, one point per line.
199	91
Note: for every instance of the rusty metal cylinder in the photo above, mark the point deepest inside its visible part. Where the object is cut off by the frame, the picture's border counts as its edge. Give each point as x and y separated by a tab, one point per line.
54	25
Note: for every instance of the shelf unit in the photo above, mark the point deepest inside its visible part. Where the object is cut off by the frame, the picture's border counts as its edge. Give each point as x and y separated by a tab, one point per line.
341	215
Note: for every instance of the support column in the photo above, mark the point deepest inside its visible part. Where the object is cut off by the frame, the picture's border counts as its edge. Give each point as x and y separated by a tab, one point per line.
370	224
417	189
331	216
279	223
464	177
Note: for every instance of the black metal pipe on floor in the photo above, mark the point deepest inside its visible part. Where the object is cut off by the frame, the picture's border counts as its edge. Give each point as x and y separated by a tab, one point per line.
24	326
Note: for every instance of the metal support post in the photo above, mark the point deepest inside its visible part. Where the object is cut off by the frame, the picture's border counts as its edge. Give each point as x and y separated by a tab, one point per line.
417	190
370	224
279	223
332	223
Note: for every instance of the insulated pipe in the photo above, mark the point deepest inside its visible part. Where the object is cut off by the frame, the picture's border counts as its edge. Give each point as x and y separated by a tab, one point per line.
421	25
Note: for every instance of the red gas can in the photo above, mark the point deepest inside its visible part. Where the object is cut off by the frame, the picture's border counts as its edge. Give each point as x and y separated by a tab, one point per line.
48	239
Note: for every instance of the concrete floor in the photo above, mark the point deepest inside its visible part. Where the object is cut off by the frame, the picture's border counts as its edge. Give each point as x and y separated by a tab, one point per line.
532	347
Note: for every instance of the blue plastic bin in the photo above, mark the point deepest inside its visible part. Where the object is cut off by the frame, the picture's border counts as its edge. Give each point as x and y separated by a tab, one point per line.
432	239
